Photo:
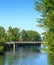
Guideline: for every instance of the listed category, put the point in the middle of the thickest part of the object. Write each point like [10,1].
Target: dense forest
[15,34]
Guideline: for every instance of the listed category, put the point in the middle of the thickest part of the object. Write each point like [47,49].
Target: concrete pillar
[41,45]
[14,47]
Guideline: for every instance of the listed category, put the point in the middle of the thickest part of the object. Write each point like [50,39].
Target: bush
[2,44]
[1,49]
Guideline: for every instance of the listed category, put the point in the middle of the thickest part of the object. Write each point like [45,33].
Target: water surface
[24,56]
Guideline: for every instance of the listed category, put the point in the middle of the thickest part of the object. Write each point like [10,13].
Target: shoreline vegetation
[14,34]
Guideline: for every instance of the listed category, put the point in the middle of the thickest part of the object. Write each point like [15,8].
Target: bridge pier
[41,45]
[14,47]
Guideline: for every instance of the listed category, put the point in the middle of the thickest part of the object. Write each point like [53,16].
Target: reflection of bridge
[25,43]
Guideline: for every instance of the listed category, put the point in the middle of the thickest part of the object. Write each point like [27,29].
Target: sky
[19,13]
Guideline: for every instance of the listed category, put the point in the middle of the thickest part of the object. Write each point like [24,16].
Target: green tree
[30,35]
[46,8]
[13,34]
[34,36]
[10,34]
[2,32]
[16,34]
[2,38]
[51,58]
[24,35]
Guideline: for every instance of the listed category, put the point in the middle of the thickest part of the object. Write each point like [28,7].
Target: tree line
[15,34]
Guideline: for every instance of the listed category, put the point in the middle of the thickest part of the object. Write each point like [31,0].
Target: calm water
[24,56]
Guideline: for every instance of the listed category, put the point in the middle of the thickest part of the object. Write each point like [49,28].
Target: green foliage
[12,34]
[46,8]
[24,35]
[30,35]
[1,49]
[2,41]
[2,32]
[51,58]
[2,38]
[16,34]
[47,20]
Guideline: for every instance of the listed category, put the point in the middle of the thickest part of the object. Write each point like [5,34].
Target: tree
[2,32]
[10,34]
[34,36]
[16,34]
[24,35]
[2,39]
[46,8]
[30,35]
[13,34]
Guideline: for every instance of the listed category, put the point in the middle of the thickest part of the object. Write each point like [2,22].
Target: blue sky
[19,13]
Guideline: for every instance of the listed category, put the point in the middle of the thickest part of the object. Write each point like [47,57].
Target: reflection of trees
[2,60]
[51,53]
[51,58]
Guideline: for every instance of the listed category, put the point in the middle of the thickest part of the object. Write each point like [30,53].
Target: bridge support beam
[14,47]
[41,45]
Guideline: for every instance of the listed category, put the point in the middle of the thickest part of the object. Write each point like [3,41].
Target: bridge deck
[25,42]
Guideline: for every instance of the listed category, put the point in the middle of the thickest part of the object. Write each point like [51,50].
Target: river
[24,56]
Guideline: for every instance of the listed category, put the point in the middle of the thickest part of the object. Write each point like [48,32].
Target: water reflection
[51,58]
[24,56]
[2,60]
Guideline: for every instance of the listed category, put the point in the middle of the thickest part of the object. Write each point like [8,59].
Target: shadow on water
[29,48]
